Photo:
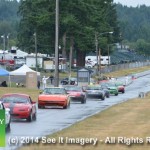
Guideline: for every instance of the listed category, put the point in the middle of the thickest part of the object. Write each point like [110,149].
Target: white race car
[7,116]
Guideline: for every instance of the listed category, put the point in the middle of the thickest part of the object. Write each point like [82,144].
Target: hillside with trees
[9,21]
[134,23]
[80,22]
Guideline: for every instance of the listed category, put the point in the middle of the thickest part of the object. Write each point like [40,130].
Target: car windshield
[119,83]
[73,88]
[93,88]
[110,84]
[54,91]
[14,99]
[103,84]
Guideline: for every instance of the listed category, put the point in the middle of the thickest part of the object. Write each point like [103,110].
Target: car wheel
[29,119]
[116,94]
[123,91]
[83,101]
[34,116]
[103,97]
[107,95]
[8,127]
[67,106]
[41,107]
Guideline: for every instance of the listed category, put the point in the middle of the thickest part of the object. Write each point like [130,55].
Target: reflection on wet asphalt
[52,120]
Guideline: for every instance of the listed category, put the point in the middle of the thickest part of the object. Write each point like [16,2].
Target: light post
[59,49]
[4,47]
[35,44]
[8,41]
[98,52]
[56,83]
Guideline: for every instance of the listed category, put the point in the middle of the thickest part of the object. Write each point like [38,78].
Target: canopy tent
[4,72]
[22,71]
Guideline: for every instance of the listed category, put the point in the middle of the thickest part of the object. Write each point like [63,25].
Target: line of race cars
[21,106]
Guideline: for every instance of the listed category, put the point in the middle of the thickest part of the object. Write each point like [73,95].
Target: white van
[105,60]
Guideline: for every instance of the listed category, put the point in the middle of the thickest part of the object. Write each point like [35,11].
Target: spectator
[44,82]
[51,78]
[4,84]
[38,84]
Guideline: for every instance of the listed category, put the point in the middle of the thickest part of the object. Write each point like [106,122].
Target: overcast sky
[133,3]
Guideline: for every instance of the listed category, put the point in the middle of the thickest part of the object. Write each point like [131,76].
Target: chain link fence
[118,67]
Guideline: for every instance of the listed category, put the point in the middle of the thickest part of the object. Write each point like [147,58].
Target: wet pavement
[52,120]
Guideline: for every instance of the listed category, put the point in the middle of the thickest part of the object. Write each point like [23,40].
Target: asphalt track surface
[52,120]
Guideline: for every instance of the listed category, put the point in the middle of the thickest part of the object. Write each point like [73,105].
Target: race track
[52,120]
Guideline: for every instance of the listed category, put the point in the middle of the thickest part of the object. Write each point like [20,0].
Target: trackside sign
[2,128]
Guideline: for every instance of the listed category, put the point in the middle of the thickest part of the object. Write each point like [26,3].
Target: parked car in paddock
[95,91]
[120,86]
[21,106]
[69,81]
[111,87]
[7,116]
[76,93]
[54,96]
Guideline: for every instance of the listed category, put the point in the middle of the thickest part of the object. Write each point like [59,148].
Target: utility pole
[35,36]
[8,41]
[99,66]
[56,83]
[70,56]
[96,45]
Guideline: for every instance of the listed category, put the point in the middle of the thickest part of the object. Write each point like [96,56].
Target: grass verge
[32,92]
[129,120]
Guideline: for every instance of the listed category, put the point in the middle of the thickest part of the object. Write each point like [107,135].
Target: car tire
[123,91]
[41,107]
[30,118]
[35,117]
[107,95]
[116,94]
[67,106]
[83,101]
[103,97]
[8,127]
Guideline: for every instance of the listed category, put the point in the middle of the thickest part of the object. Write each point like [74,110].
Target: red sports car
[76,93]
[21,106]
[54,96]
[120,86]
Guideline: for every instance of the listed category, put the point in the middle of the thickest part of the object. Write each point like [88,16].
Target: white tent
[22,71]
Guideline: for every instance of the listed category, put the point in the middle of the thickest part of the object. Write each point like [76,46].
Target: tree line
[134,23]
[79,22]
[9,22]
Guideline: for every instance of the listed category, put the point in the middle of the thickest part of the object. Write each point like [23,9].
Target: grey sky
[133,3]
